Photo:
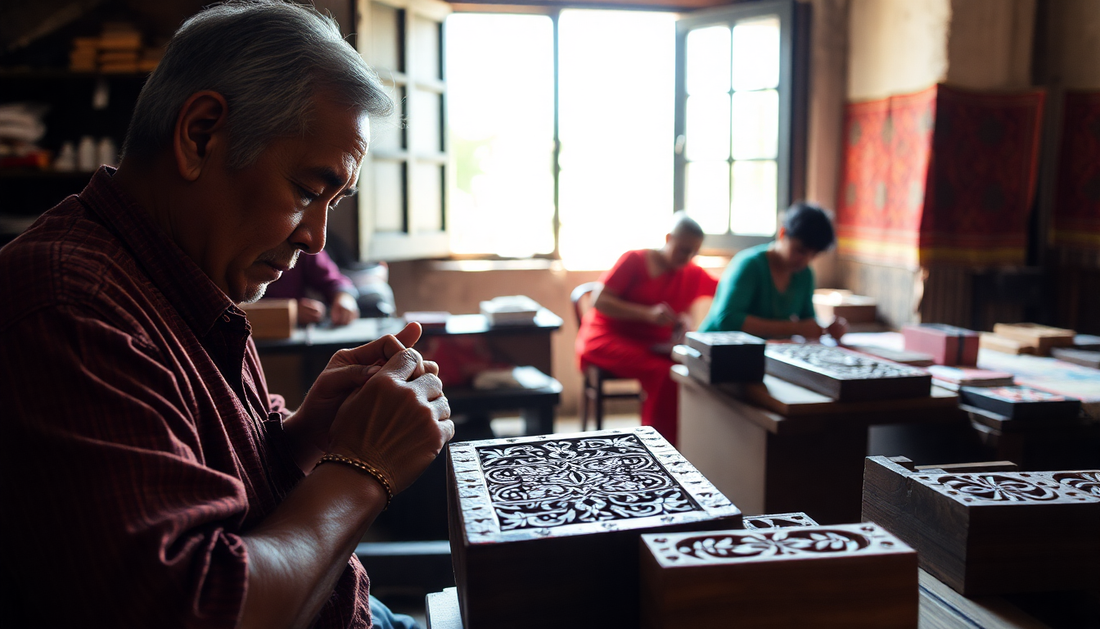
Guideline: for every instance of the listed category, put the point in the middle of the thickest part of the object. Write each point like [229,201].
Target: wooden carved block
[272,318]
[848,576]
[545,529]
[1020,402]
[992,532]
[717,357]
[1039,337]
[949,345]
[843,375]
[777,520]
[1003,344]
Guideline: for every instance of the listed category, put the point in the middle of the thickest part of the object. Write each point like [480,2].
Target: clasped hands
[381,403]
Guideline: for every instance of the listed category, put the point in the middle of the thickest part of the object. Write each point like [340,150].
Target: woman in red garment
[640,312]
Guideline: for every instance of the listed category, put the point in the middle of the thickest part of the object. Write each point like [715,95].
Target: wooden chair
[596,380]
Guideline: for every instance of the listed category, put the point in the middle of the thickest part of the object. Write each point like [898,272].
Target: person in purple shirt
[317,275]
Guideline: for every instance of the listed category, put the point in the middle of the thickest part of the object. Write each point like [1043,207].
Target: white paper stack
[510,310]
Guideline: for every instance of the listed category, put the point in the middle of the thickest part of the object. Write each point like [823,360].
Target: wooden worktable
[775,447]
[940,608]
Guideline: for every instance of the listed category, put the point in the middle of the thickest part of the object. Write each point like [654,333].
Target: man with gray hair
[149,479]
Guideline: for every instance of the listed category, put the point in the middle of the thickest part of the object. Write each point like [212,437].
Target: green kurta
[747,288]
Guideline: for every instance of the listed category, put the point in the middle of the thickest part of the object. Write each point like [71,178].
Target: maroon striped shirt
[138,438]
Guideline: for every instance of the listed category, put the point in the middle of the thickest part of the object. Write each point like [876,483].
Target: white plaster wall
[990,42]
[896,46]
[1074,32]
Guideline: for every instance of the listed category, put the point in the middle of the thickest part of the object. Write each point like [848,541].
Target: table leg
[538,420]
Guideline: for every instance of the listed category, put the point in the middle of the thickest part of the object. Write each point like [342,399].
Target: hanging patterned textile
[942,176]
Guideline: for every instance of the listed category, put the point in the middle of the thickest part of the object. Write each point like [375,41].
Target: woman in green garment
[768,290]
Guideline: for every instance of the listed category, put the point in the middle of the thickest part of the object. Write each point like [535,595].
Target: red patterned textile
[1076,222]
[940,176]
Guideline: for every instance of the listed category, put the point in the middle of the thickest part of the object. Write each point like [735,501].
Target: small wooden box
[1020,402]
[844,375]
[1003,344]
[949,345]
[993,532]
[718,357]
[850,576]
[545,529]
[1040,337]
[272,318]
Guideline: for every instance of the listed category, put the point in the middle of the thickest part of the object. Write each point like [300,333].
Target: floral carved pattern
[997,488]
[1088,482]
[837,362]
[780,542]
[574,481]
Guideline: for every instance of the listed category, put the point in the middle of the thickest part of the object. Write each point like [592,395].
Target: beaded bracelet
[363,467]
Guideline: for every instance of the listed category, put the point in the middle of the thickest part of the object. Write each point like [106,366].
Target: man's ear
[200,130]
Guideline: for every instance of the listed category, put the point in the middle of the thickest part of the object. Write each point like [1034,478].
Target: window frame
[790,154]
[407,243]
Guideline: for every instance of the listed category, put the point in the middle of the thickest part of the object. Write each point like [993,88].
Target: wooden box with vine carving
[855,576]
[544,530]
[991,530]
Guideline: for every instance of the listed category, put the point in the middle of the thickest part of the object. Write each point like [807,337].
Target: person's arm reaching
[345,308]
[616,307]
[398,422]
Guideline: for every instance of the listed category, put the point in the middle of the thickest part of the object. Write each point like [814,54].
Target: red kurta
[624,347]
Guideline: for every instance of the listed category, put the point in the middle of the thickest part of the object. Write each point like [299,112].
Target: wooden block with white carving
[544,530]
[995,531]
[850,576]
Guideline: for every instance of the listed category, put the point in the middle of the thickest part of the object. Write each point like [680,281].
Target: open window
[739,139]
[575,133]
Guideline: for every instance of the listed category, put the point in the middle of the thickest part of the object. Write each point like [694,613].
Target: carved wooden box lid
[839,363]
[982,531]
[845,375]
[779,544]
[716,344]
[573,484]
[998,489]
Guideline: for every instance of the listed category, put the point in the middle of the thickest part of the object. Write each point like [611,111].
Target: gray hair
[684,225]
[268,58]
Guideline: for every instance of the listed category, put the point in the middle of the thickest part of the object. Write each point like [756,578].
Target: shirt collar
[190,291]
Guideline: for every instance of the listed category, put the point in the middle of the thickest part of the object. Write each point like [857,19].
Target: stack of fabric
[21,128]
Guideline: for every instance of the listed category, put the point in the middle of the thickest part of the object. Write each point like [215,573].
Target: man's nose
[309,236]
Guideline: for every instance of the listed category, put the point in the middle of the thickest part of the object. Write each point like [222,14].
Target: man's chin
[252,294]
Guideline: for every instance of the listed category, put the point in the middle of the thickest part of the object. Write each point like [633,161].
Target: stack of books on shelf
[118,49]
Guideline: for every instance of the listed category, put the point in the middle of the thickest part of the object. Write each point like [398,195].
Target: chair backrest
[582,299]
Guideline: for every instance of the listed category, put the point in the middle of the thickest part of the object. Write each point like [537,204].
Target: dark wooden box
[1020,402]
[719,357]
[949,345]
[850,576]
[544,530]
[844,375]
[991,532]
